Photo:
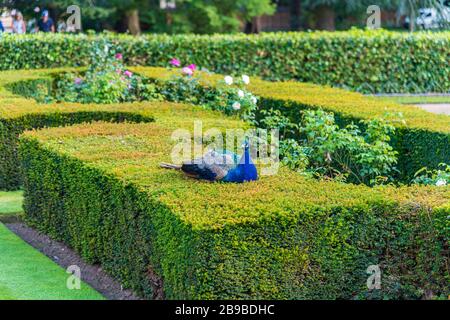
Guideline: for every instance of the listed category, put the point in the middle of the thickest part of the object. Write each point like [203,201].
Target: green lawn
[10,202]
[26,274]
[417,99]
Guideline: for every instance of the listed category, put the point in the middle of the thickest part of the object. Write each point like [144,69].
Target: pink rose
[175,62]
[78,81]
[128,73]
[119,56]
[192,67]
[187,71]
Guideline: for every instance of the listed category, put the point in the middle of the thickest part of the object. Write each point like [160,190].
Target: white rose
[245,79]
[241,94]
[236,106]
[254,100]
[228,80]
[441,183]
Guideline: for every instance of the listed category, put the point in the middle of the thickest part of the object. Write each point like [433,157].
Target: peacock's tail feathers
[170,166]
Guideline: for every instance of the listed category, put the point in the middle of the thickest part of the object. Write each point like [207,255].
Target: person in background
[18,24]
[2,29]
[46,23]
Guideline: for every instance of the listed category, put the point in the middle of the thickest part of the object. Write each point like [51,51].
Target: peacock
[224,166]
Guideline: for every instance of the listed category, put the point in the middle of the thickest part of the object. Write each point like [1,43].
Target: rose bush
[105,81]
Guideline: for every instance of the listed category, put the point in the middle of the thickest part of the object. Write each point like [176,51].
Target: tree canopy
[215,16]
[198,16]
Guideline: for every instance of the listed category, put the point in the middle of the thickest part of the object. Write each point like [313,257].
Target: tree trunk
[253,26]
[412,20]
[325,18]
[248,27]
[256,25]
[169,19]
[296,8]
[133,22]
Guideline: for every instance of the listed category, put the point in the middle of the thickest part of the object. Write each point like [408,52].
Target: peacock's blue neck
[244,171]
[246,157]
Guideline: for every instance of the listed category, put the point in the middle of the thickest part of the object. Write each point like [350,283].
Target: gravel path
[439,108]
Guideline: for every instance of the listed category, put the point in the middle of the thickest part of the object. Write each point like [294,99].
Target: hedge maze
[91,179]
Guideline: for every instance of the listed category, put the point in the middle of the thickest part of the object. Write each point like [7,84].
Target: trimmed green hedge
[18,114]
[10,177]
[99,188]
[365,61]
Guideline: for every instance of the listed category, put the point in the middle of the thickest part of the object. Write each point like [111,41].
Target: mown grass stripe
[26,274]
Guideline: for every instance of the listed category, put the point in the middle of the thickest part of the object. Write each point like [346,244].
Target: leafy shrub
[292,154]
[184,89]
[438,177]
[40,90]
[106,81]
[228,95]
[360,157]
[345,154]
[232,97]
[275,119]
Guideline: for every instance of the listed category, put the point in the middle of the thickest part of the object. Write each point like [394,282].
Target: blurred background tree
[210,16]
[325,14]
[411,9]
[197,16]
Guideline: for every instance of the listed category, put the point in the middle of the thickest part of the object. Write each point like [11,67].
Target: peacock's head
[246,144]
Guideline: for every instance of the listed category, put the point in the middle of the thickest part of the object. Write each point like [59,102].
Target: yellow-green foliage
[98,187]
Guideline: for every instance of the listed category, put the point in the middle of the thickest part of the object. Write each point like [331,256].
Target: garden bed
[421,139]
[98,187]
